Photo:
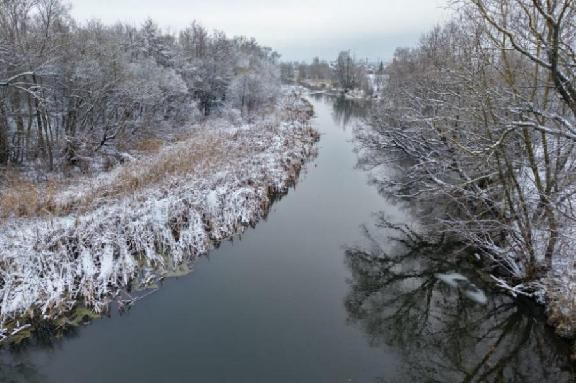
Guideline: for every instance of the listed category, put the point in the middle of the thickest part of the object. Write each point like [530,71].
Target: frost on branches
[483,115]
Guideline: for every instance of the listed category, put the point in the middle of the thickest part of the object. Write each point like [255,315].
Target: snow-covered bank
[52,265]
[349,94]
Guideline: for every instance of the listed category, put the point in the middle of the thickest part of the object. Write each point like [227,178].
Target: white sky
[297,29]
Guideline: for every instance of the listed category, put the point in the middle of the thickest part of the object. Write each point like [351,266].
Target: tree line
[71,92]
[346,72]
[483,114]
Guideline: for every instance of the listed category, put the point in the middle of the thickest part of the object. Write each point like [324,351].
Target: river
[315,293]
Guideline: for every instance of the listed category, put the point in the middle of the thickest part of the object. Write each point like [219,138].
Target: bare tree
[483,113]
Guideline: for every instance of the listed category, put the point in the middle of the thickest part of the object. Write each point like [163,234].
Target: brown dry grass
[149,145]
[182,159]
[22,198]
[199,151]
[196,153]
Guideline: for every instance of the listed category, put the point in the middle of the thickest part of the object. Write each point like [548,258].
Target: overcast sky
[297,29]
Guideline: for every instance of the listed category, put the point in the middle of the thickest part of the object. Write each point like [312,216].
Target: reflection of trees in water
[344,109]
[19,372]
[17,362]
[445,337]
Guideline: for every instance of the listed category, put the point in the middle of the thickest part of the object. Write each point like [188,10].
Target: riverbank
[329,89]
[144,220]
[292,290]
[505,263]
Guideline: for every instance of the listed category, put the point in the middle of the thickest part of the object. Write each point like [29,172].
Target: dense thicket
[484,113]
[70,93]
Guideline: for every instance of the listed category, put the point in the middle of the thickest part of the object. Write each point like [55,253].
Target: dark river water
[318,292]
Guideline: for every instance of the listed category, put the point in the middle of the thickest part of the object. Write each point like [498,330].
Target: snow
[459,281]
[50,265]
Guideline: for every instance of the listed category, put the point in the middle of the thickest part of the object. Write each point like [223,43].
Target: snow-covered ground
[351,94]
[223,180]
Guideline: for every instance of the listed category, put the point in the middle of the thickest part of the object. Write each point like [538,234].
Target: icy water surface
[311,296]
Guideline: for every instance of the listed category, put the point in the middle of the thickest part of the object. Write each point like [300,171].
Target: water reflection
[18,365]
[19,372]
[398,300]
[344,110]
[283,288]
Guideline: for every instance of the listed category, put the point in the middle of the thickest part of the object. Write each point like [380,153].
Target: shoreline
[61,270]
